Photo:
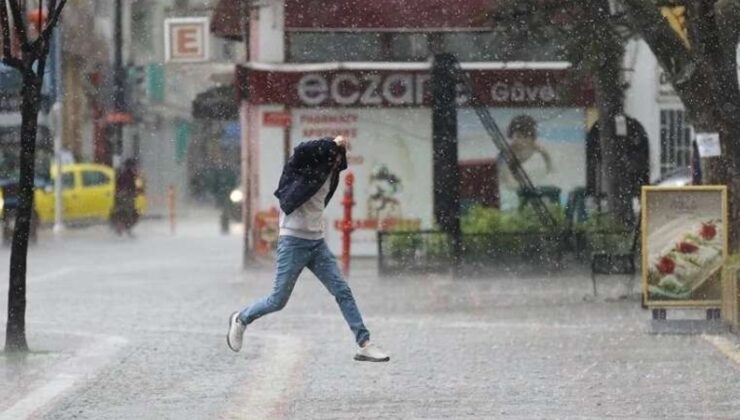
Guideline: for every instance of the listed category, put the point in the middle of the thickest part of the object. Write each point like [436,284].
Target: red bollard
[346,226]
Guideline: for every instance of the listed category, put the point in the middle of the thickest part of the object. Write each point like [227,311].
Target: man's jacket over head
[307,170]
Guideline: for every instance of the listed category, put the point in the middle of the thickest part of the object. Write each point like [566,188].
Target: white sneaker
[371,353]
[236,332]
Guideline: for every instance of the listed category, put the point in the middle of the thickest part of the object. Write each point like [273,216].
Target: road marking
[51,275]
[63,377]
[272,376]
[729,348]
[35,399]
[484,325]
[275,374]
[582,374]
[41,278]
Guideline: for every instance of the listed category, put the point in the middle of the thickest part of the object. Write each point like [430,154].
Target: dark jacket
[634,158]
[307,170]
[126,182]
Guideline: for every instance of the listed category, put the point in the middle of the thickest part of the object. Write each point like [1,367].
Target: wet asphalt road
[133,328]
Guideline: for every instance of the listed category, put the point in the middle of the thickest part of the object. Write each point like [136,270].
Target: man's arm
[545,156]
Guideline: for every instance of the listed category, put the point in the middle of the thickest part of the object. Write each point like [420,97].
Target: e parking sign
[186,39]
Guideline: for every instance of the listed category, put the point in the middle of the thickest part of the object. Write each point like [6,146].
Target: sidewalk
[146,340]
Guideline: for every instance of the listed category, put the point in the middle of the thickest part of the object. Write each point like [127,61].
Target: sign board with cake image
[684,244]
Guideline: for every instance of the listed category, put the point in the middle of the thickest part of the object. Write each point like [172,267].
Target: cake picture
[692,257]
[684,245]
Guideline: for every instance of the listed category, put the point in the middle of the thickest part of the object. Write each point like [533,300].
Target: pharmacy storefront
[384,108]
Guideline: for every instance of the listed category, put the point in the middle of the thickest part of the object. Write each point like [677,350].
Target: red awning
[226,22]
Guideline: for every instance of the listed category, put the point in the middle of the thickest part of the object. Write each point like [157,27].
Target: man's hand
[341,141]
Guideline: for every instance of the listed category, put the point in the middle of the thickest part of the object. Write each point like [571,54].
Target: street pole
[58,198]
[118,82]
[446,171]
[248,255]
[58,118]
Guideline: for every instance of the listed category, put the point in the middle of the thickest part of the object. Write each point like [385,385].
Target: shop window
[403,46]
[364,46]
[499,46]
[335,46]
[408,47]
[675,140]
[469,46]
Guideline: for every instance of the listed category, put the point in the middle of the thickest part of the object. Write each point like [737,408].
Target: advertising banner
[684,245]
[390,155]
[549,142]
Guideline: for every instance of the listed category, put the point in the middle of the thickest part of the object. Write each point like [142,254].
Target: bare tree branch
[8,58]
[37,45]
[14,63]
[662,40]
[51,22]
[5,23]
[19,23]
[40,18]
[41,44]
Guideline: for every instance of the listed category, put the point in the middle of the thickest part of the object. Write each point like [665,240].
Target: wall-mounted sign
[684,244]
[277,119]
[408,88]
[708,145]
[186,39]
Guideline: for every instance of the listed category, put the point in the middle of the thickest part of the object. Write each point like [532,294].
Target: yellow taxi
[88,191]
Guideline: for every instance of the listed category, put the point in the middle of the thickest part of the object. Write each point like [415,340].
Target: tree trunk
[705,78]
[15,339]
[610,102]
[727,21]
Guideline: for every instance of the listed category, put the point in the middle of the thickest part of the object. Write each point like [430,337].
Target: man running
[307,183]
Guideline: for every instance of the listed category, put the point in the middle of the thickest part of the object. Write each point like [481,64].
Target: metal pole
[58,118]
[58,197]
[248,254]
[446,175]
[118,82]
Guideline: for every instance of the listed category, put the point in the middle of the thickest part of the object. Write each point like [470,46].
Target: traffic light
[136,76]
[136,83]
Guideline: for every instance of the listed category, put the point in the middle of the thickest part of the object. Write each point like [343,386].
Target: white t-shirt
[307,222]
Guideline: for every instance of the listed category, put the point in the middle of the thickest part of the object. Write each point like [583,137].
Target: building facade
[361,70]
[164,133]
[652,100]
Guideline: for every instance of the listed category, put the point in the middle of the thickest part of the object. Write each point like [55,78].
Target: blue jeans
[293,254]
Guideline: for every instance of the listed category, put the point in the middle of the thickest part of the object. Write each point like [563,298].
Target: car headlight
[236,196]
